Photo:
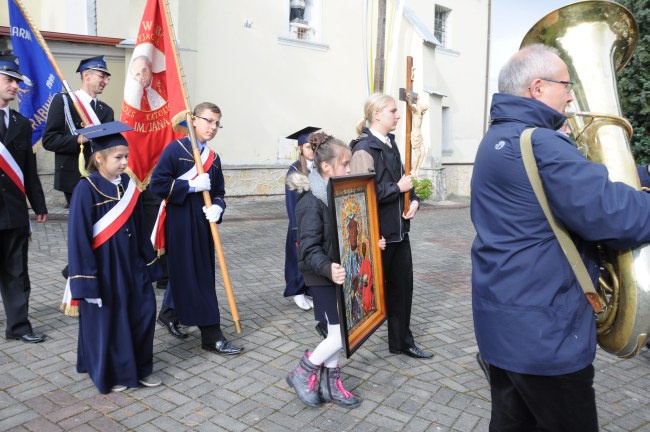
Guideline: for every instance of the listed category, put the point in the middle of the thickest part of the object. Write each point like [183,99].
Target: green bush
[634,83]
[423,188]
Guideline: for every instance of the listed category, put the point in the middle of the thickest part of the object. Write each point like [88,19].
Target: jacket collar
[506,108]
[13,129]
[376,142]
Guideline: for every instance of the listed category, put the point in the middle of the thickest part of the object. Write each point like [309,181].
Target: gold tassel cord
[82,162]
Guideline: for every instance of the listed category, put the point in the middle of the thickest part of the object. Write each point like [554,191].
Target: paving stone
[206,392]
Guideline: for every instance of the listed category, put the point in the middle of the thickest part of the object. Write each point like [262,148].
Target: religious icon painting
[353,203]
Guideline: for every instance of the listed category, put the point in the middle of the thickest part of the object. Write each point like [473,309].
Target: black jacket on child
[315,231]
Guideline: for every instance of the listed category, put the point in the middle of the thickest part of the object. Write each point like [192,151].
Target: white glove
[96,301]
[212,213]
[200,183]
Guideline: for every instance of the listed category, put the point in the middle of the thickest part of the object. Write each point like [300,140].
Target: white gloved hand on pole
[200,183]
[212,213]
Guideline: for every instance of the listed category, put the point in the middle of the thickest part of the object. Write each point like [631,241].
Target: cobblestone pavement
[41,391]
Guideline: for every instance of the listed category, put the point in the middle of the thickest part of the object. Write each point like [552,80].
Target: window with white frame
[305,20]
[441,25]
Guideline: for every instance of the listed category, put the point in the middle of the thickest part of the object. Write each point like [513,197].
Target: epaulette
[355,141]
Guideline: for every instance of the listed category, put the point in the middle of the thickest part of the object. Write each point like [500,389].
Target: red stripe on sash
[108,232]
[9,165]
[84,108]
[159,239]
[4,165]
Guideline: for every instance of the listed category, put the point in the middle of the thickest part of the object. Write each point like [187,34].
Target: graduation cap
[95,63]
[105,135]
[303,134]
[9,66]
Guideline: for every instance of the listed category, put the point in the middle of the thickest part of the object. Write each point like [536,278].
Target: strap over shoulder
[563,237]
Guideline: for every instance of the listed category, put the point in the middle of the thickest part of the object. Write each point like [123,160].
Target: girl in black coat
[321,273]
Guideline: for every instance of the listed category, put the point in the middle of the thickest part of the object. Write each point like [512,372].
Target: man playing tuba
[532,321]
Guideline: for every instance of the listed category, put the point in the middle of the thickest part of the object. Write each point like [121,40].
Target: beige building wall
[242,56]
[452,81]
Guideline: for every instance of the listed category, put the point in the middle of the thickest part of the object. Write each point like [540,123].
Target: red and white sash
[112,221]
[84,99]
[158,233]
[9,166]
[103,230]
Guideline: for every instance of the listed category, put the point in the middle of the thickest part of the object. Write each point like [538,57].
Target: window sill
[302,43]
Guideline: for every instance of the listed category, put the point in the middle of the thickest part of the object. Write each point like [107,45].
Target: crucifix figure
[417,140]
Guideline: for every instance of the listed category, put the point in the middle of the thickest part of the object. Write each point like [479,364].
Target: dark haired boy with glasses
[190,298]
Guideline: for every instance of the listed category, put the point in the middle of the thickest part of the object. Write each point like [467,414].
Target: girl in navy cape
[112,265]
[295,283]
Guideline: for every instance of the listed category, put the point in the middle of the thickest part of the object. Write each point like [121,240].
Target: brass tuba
[596,39]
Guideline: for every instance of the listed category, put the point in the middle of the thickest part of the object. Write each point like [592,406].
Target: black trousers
[14,280]
[209,334]
[398,290]
[522,403]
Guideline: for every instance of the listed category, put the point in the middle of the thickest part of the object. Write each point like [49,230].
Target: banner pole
[216,238]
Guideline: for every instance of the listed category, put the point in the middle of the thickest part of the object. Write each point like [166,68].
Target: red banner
[154,101]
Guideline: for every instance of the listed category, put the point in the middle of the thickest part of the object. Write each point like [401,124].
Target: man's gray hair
[533,61]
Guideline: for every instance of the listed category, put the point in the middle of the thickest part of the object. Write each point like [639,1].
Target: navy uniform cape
[115,345]
[189,246]
[292,276]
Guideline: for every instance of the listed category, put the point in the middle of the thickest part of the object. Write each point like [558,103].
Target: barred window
[441,24]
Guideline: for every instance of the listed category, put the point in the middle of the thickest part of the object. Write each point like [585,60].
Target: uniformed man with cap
[18,180]
[63,121]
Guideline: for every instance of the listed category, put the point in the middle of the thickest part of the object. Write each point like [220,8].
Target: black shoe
[414,352]
[321,330]
[485,366]
[223,347]
[30,337]
[173,329]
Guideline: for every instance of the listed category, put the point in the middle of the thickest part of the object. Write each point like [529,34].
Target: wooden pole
[408,120]
[216,238]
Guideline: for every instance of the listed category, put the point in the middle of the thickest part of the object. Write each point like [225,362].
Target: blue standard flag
[34,101]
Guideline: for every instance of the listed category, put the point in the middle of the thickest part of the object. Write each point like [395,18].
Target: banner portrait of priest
[145,88]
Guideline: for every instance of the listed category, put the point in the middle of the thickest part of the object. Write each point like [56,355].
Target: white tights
[327,352]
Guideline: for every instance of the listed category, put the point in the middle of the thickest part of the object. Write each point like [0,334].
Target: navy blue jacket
[13,206]
[295,282]
[58,138]
[189,247]
[530,314]
[115,344]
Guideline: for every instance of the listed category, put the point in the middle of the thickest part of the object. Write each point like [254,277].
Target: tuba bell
[596,39]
